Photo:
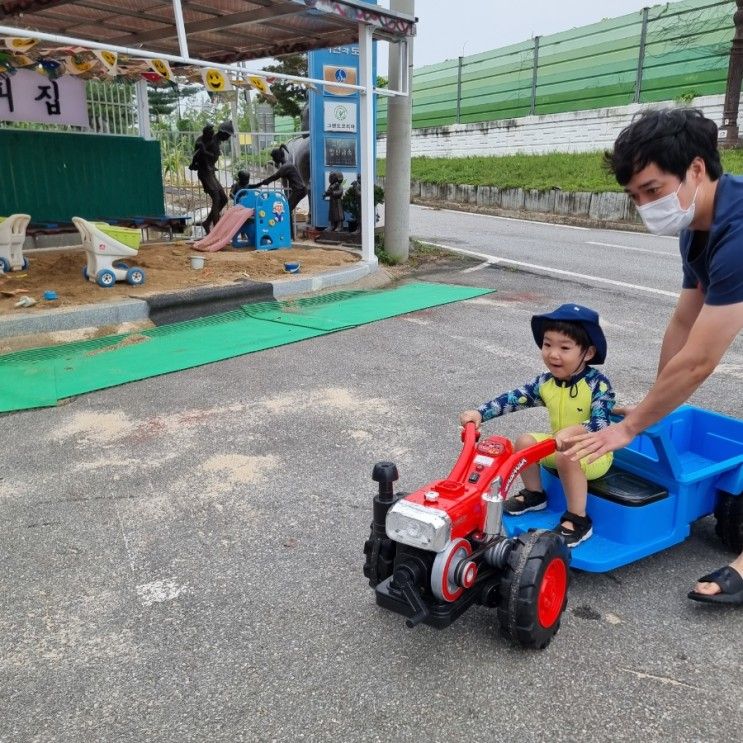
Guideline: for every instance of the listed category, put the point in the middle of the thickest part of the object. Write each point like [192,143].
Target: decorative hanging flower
[50,67]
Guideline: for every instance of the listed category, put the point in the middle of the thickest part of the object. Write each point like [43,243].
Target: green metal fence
[670,51]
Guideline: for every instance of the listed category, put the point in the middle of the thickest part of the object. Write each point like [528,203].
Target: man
[669,164]
[206,153]
[291,180]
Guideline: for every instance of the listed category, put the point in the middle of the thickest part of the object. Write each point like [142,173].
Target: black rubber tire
[530,557]
[729,526]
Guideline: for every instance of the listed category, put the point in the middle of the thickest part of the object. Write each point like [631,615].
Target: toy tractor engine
[433,553]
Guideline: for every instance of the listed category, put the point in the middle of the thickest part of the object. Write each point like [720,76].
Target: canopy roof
[221,31]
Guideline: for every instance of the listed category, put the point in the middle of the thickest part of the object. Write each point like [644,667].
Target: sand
[167,267]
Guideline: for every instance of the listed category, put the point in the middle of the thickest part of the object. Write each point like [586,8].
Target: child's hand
[470,416]
[564,437]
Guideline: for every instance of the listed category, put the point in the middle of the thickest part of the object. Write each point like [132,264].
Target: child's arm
[518,399]
[602,403]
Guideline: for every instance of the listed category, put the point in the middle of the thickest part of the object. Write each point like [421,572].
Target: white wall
[578,131]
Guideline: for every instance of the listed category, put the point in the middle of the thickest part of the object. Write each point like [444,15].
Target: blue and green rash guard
[585,399]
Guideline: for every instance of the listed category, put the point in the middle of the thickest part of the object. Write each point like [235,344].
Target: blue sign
[335,139]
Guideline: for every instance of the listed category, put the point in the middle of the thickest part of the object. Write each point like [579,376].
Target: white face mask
[666,216]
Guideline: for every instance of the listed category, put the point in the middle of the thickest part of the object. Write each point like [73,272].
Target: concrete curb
[176,306]
[71,318]
[307,284]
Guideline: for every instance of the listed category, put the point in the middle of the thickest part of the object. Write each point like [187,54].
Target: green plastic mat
[347,309]
[43,376]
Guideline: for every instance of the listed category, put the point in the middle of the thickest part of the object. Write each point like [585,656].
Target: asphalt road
[180,558]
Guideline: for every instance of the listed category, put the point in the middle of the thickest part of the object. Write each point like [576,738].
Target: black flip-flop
[731,587]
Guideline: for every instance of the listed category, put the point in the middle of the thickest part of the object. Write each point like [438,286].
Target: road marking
[495,216]
[476,268]
[557,271]
[638,250]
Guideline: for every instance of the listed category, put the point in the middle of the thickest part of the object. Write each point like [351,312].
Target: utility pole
[729,131]
[399,125]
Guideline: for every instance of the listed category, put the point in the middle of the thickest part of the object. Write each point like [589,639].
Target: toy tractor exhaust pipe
[379,549]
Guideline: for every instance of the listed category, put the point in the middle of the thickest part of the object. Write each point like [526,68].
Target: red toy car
[435,552]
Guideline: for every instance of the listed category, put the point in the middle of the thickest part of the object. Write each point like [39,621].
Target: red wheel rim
[552,593]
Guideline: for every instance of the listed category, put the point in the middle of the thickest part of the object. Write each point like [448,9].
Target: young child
[578,398]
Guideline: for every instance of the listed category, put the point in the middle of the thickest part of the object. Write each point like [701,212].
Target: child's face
[563,356]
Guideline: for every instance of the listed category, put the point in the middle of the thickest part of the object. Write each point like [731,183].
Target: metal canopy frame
[221,33]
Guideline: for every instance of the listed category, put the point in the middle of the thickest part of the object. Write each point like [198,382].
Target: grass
[567,171]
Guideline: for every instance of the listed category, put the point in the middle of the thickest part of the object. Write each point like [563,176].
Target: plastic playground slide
[223,232]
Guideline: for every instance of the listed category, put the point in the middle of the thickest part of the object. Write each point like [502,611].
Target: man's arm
[687,310]
[710,336]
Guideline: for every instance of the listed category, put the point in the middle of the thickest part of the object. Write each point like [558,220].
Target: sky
[447,30]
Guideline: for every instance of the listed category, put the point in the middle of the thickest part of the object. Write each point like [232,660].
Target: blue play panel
[665,479]
[269,228]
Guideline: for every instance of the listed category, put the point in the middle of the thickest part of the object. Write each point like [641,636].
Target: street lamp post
[729,130]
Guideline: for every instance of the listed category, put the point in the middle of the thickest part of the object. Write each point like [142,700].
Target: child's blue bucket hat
[587,317]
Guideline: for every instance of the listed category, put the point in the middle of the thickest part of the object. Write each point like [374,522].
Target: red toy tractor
[435,552]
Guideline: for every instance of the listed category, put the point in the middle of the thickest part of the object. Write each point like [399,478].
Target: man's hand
[470,416]
[593,445]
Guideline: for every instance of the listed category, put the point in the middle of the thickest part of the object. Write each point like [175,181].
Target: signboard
[339,117]
[29,96]
[335,143]
[340,152]
[333,73]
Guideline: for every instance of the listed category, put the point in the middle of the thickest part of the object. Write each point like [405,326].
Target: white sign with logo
[340,117]
[29,96]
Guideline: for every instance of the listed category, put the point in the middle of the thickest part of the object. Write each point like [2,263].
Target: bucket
[292,267]
[197,261]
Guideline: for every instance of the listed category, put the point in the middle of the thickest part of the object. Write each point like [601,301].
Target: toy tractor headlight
[418,526]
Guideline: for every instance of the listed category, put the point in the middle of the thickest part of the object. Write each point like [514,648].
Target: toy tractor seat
[624,488]
[105,244]
[12,237]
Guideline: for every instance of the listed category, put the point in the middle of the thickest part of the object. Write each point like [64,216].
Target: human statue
[242,182]
[353,198]
[334,192]
[294,187]
[207,150]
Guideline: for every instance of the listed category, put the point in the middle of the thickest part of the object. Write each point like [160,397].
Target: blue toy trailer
[269,228]
[686,466]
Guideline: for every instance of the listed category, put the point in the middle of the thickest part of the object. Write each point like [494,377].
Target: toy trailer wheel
[534,589]
[105,278]
[729,526]
[135,276]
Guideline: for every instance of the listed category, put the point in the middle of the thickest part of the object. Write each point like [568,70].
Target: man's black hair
[573,330]
[671,138]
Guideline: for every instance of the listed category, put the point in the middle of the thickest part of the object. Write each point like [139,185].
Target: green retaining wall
[54,176]
[685,54]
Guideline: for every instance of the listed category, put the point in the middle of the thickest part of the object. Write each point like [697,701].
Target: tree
[290,96]
[164,100]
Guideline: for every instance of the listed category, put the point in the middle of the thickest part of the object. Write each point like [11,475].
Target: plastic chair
[12,237]
[103,248]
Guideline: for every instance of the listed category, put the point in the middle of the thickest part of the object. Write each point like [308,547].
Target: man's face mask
[666,216]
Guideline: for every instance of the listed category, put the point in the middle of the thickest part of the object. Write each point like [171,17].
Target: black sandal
[533,500]
[582,529]
[731,587]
